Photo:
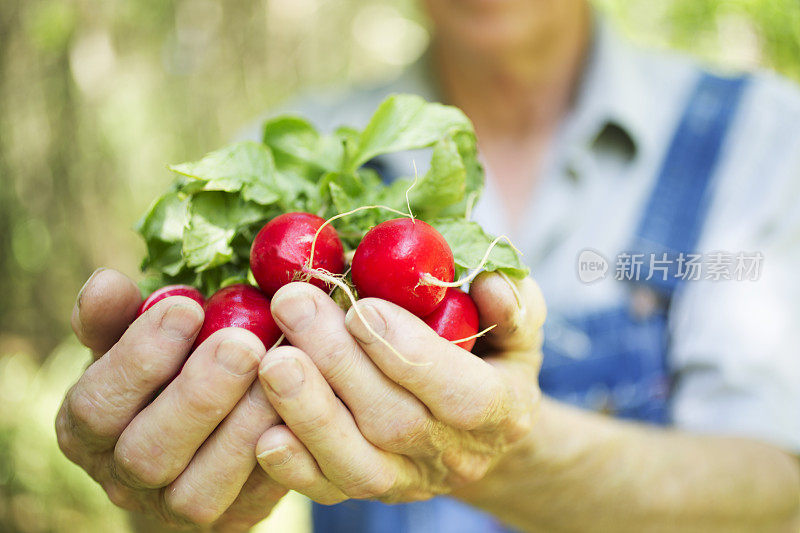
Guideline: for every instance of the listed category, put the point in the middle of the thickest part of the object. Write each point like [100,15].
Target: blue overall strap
[674,217]
[620,363]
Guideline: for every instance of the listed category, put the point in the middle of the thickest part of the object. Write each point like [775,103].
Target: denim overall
[614,360]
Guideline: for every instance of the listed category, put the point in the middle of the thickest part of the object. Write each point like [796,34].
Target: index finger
[115,388]
[459,388]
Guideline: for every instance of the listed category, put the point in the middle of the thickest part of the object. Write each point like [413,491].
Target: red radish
[240,306]
[392,259]
[283,246]
[166,292]
[455,318]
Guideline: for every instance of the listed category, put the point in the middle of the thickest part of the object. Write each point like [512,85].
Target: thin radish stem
[428,279]
[277,342]
[328,278]
[514,289]
[310,262]
[470,205]
[479,334]
[408,200]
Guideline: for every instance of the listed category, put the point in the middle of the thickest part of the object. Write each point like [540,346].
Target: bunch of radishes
[405,261]
[237,224]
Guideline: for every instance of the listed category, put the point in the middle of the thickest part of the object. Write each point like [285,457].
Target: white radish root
[328,278]
[514,289]
[428,279]
[277,342]
[310,262]
[477,335]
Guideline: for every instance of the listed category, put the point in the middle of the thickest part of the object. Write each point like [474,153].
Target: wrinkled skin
[398,433]
[362,423]
[187,456]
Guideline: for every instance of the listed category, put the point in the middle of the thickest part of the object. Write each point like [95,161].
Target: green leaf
[294,141]
[166,218]
[350,183]
[162,228]
[214,220]
[469,243]
[406,122]
[211,280]
[201,231]
[150,284]
[443,185]
[474,179]
[341,201]
[245,167]
[349,139]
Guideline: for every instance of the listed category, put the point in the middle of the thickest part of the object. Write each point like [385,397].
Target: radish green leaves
[199,232]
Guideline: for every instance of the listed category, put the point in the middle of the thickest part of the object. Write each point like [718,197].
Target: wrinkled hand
[187,454]
[361,423]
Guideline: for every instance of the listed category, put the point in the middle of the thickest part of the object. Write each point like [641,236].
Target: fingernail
[284,376]
[86,285]
[236,357]
[181,321]
[372,318]
[275,457]
[293,305]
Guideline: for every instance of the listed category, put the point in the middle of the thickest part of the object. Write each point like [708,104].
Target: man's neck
[518,91]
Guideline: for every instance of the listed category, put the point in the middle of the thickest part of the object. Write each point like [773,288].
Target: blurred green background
[97,97]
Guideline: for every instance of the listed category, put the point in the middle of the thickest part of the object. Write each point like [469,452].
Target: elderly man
[594,150]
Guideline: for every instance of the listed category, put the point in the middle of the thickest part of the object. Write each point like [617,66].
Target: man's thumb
[516,306]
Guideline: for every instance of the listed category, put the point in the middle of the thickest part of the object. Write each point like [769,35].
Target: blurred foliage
[738,34]
[39,489]
[97,97]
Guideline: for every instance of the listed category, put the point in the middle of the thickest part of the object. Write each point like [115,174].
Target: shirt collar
[613,92]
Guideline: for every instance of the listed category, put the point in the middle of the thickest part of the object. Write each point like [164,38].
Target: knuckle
[64,435]
[121,496]
[405,433]
[184,509]
[336,358]
[316,425]
[375,486]
[518,427]
[136,470]
[487,409]
[143,370]
[204,404]
[200,398]
[518,422]
[471,469]
[84,414]
[473,415]
[329,498]
[240,433]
